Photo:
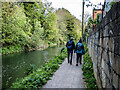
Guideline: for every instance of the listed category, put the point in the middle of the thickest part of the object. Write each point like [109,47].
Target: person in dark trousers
[70,47]
[79,49]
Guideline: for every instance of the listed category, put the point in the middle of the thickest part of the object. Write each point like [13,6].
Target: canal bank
[41,75]
[18,63]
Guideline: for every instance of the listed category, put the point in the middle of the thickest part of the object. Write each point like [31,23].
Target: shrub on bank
[11,49]
[88,70]
[41,75]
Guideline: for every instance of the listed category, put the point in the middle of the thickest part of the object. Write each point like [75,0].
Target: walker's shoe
[70,63]
[76,64]
[80,63]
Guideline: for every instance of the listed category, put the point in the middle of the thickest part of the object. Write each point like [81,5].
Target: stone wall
[0,47]
[104,49]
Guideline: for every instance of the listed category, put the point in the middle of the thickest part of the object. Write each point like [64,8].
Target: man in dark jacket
[79,49]
[70,47]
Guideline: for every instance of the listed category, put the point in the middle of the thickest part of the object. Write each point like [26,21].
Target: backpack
[69,45]
[79,46]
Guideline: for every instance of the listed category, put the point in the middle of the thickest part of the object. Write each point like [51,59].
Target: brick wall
[104,49]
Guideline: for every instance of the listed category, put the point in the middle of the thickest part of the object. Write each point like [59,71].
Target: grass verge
[88,70]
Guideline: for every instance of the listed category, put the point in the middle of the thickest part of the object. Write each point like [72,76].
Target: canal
[15,65]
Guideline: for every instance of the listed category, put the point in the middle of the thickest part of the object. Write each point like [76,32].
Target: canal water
[15,65]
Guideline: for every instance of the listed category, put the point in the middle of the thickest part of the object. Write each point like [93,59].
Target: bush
[11,49]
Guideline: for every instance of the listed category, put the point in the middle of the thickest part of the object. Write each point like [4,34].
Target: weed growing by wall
[88,70]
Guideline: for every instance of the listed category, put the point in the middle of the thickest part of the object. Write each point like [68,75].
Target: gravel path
[67,76]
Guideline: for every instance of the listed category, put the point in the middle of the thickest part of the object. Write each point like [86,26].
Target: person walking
[79,49]
[70,47]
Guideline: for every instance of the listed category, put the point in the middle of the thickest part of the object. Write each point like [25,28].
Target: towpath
[67,76]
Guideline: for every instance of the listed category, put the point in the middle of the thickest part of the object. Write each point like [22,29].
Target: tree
[14,25]
[68,25]
[87,15]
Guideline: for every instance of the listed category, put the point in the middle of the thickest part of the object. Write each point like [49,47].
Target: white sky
[74,6]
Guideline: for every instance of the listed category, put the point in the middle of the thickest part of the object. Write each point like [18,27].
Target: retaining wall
[104,49]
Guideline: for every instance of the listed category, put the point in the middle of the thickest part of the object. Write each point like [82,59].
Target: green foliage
[88,70]
[90,22]
[96,21]
[41,75]
[14,26]
[68,25]
[51,30]
[24,25]
[30,25]
[112,4]
[30,69]
[11,49]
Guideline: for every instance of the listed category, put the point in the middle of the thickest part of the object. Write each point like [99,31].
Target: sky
[74,6]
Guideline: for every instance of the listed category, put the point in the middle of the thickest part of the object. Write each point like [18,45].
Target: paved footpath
[67,76]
